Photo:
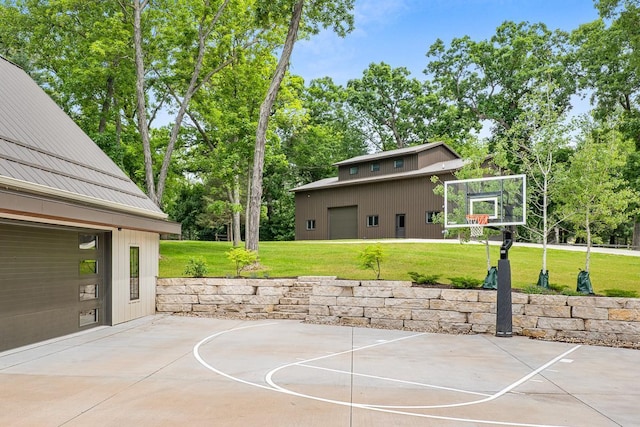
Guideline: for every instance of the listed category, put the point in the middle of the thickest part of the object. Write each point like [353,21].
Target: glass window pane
[88,317]
[87,241]
[88,292]
[134,273]
[88,267]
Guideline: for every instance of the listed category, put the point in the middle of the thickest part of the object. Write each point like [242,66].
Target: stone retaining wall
[399,305]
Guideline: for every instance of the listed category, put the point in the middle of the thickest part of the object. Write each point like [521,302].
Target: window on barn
[134,273]
[398,163]
[430,217]
[353,170]
[375,167]
[372,221]
[311,224]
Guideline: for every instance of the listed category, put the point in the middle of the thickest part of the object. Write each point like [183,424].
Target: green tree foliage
[312,16]
[225,113]
[393,110]
[593,194]
[325,135]
[608,54]
[186,209]
[78,51]
[196,268]
[242,258]
[487,79]
[183,44]
[173,90]
[371,258]
[538,139]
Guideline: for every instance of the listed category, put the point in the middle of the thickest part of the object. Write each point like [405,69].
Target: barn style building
[383,195]
[79,241]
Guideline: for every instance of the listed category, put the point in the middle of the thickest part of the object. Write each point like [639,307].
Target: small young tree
[242,258]
[371,258]
[594,195]
[536,140]
[475,157]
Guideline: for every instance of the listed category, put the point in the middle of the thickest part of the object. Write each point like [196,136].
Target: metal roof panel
[40,144]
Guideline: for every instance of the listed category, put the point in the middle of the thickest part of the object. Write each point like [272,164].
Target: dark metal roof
[394,153]
[43,151]
[434,169]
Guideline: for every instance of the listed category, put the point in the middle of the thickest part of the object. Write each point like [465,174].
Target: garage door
[343,223]
[52,283]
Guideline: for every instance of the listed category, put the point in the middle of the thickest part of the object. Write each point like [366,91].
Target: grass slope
[291,259]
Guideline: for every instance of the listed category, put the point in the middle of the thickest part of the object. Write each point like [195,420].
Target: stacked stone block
[399,305]
[243,298]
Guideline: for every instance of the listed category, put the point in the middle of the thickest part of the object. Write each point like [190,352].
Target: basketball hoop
[476,223]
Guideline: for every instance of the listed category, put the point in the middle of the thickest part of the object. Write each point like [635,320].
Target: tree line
[194,101]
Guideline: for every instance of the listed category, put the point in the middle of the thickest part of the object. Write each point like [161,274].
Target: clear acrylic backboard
[503,199]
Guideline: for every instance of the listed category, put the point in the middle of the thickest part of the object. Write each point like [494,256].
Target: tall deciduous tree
[394,110]
[79,52]
[328,13]
[608,52]
[326,134]
[487,79]
[225,112]
[182,45]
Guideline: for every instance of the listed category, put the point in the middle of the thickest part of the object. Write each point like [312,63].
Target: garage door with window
[53,282]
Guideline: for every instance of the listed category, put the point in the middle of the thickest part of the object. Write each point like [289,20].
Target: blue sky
[399,32]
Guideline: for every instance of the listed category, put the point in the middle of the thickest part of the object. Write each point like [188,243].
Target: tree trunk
[487,249]
[141,107]
[156,192]
[106,105]
[635,243]
[588,232]
[545,225]
[236,211]
[255,195]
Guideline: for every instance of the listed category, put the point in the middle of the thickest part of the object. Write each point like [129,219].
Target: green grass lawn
[303,258]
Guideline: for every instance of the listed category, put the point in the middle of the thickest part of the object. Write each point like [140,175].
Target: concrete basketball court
[171,370]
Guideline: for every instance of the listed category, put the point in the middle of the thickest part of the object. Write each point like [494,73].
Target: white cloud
[378,12]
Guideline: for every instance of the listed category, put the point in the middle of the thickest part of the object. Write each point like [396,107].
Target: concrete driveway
[170,370]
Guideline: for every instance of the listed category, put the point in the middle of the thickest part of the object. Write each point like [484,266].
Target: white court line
[396,380]
[196,353]
[489,398]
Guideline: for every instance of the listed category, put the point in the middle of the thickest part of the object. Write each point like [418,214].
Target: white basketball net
[476,224]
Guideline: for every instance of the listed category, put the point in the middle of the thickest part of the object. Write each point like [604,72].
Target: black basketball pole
[504,311]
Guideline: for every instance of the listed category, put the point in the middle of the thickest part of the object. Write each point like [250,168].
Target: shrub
[621,293]
[558,288]
[465,282]
[535,289]
[196,268]
[371,258]
[242,258]
[421,279]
